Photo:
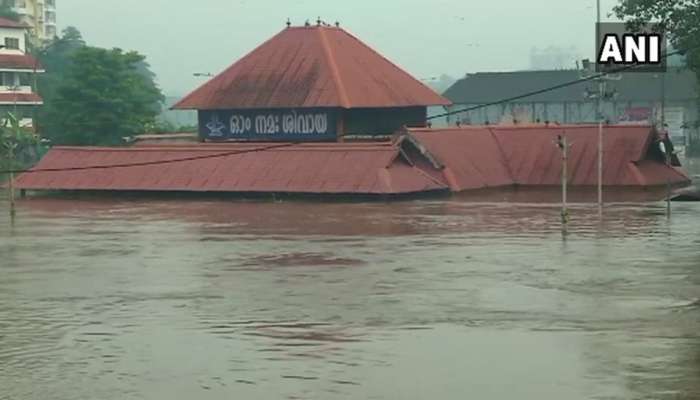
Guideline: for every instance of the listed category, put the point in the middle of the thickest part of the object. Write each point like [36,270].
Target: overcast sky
[427,38]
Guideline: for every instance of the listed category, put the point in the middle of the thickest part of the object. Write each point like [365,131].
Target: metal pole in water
[601,93]
[563,145]
[11,184]
[668,199]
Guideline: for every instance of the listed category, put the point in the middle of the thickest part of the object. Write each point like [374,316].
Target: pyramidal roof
[312,66]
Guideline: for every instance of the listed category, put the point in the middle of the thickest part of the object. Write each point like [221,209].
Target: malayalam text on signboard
[267,124]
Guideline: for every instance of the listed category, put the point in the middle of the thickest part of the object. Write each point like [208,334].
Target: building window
[51,3]
[50,16]
[8,79]
[50,32]
[12,43]
[25,79]
[20,3]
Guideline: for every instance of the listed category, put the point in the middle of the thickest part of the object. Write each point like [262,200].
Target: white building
[40,16]
[17,73]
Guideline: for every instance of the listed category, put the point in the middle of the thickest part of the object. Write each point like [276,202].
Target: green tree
[100,97]
[55,58]
[681,19]
[18,145]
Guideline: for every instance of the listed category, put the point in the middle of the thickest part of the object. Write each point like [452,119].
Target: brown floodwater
[450,298]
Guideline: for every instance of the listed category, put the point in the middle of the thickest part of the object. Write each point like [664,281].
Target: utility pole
[663,100]
[563,145]
[11,184]
[601,93]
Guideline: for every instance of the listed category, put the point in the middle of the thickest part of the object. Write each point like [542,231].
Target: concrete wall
[15,34]
[40,15]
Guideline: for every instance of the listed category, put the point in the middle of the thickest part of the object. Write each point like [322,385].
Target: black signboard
[273,124]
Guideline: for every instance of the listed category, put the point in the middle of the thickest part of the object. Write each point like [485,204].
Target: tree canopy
[680,18]
[95,96]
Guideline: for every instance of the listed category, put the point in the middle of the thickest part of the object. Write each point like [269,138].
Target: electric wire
[291,144]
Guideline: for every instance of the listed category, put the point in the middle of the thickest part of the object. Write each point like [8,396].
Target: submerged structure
[315,111]
[418,160]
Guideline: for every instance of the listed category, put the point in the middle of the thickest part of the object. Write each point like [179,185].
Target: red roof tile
[19,61]
[527,155]
[309,168]
[312,67]
[20,98]
[8,23]
[422,160]
[470,158]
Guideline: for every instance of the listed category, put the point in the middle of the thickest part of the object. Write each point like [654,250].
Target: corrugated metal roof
[471,158]
[527,155]
[308,168]
[455,159]
[315,66]
[19,61]
[486,87]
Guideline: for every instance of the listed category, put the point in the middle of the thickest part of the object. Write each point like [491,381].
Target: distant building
[177,118]
[439,83]
[553,57]
[638,99]
[311,83]
[17,73]
[40,16]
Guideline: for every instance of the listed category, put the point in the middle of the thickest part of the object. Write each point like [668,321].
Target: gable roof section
[486,87]
[488,156]
[312,168]
[317,66]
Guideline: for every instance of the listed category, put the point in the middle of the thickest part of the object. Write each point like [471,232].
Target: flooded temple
[314,110]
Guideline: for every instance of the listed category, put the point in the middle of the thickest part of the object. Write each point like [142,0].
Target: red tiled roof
[420,161]
[476,157]
[312,67]
[19,61]
[8,23]
[469,158]
[308,168]
[19,98]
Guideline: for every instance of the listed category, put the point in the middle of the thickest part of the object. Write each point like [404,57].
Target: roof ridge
[329,68]
[399,68]
[222,73]
[337,79]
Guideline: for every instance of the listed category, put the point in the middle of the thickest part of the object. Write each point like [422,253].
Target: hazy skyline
[426,39]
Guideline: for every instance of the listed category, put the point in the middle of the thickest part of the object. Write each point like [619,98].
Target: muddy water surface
[442,299]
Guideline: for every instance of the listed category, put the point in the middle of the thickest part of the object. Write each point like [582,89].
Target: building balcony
[15,89]
[14,60]
[19,98]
